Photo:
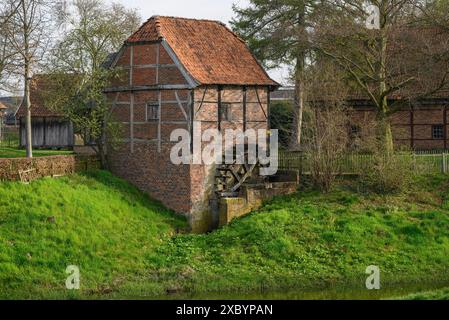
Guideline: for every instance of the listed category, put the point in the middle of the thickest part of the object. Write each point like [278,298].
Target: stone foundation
[252,198]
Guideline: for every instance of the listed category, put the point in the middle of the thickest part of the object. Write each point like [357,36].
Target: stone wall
[16,169]
[252,198]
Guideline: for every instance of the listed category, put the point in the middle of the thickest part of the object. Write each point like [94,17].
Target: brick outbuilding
[179,72]
[423,125]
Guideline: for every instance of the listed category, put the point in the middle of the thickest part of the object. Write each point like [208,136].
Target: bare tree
[326,134]
[434,13]
[79,72]
[29,34]
[393,62]
[7,10]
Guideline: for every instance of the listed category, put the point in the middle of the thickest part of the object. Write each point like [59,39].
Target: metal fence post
[443,155]
[414,161]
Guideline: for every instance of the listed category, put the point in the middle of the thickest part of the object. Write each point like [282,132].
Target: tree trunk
[299,103]
[27,80]
[384,134]
[102,146]
[299,78]
[102,155]
[27,106]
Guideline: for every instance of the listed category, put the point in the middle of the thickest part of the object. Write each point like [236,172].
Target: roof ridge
[157,24]
[205,20]
[208,67]
[143,25]
[192,19]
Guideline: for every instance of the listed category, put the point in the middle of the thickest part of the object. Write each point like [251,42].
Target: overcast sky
[200,9]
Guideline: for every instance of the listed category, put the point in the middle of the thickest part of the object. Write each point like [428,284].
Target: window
[226,112]
[355,131]
[152,111]
[354,136]
[437,132]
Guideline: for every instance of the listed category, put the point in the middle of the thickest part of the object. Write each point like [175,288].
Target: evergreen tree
[277,33]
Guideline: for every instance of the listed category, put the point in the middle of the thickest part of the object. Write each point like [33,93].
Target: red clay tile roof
[38,85]
[210,52]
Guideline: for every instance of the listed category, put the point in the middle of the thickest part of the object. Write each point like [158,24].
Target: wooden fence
[9,137]
[423,162]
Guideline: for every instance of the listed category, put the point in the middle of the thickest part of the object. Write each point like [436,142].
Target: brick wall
[151,171]
[206,110]
[143,157]
[411,129]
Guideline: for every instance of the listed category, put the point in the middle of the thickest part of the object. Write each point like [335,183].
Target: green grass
[127,245]
[101,224]
[429,295]
[6,152]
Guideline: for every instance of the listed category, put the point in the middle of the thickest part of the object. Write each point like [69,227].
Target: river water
[330,293]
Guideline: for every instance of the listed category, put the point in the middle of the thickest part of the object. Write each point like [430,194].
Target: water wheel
[230,177]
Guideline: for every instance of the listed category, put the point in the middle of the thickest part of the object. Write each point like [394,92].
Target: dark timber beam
[445,126]
[44,123]
[144,88]
[412,128]
[143,42]
[192,118]
[20,132]
[244,108]
[220,89]
[268,108]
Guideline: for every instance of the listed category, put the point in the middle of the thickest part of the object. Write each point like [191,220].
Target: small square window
[437,132]
[226,112]
[355,130]
[152,112]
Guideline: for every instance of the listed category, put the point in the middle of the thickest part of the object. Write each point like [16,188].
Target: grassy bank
[429,295]
[97,222]
[7,152]
[127,245]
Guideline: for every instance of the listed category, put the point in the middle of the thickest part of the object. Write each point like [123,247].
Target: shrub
[388,173]
[325,144]
[325,134]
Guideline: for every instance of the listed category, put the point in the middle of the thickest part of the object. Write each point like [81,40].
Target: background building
[49,129]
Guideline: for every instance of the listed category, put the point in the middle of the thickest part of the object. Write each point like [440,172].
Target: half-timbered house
[179,72]
[421,125]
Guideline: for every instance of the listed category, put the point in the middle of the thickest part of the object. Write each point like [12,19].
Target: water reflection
[330,293]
